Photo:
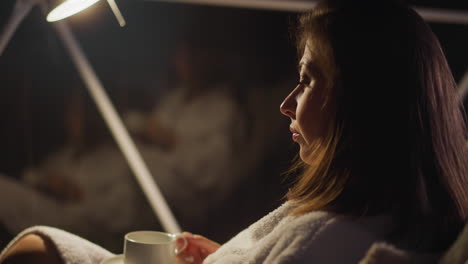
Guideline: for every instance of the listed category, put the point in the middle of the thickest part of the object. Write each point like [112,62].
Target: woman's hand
[198,248]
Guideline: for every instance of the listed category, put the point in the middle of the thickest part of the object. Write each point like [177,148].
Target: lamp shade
[69,8]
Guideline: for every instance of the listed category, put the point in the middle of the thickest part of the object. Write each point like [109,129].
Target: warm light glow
[68,8]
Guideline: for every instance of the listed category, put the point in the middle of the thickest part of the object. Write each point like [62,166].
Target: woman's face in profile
[305,104]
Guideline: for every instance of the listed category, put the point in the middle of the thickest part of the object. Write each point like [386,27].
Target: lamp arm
[117,13]
[436,15]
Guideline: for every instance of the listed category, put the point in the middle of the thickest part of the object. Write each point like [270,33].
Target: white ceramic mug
[147,247]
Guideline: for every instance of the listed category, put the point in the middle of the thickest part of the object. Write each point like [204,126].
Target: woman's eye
[304,82]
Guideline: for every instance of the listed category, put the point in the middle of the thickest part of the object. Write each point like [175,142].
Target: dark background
[35,71]
[36,74]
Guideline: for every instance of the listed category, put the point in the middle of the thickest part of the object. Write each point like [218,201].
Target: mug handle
[178,250]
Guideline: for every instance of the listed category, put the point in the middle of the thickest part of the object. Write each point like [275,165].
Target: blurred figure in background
[84,185]
[191,142]
[189,139]
[194,139]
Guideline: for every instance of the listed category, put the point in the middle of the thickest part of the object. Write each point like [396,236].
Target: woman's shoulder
[279,222]
[327,223]
[320,235]
[323,237]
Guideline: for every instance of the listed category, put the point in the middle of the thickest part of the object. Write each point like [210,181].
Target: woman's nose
[288,107]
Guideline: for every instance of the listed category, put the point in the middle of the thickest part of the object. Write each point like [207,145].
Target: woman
[382,144]
[381,134]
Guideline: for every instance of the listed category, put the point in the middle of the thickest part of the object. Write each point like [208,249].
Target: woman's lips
[295,135]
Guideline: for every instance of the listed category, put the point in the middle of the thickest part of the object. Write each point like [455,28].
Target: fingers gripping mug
[148,247]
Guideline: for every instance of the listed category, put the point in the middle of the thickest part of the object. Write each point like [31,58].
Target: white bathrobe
[316,237]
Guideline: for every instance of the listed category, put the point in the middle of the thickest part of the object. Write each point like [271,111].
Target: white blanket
[72,249]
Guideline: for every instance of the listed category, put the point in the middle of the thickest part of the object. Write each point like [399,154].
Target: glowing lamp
[71,7]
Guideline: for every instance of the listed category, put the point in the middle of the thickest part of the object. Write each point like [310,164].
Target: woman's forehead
[309,62]
[306,58]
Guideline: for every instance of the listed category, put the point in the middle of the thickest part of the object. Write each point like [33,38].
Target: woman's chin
[304,155]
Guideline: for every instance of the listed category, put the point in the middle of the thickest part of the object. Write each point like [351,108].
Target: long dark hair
[398,137]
